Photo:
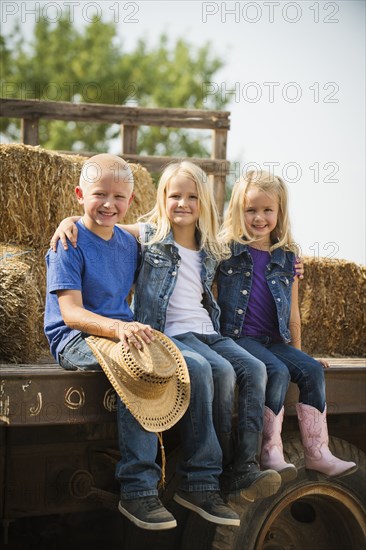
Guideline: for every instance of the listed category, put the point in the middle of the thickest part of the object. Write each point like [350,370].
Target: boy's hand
[128,333]
[299,268]
[66,230]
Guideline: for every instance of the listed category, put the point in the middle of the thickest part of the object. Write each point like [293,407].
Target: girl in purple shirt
[258,297]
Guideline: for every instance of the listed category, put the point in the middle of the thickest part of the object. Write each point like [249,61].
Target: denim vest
[156,281]
[235,277]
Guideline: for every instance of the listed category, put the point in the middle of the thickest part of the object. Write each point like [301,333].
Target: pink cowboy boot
[272,450]
[314,436]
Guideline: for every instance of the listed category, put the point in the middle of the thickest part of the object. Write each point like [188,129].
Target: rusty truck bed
[41,394]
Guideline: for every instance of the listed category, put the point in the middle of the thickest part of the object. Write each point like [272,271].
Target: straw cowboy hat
[153,382]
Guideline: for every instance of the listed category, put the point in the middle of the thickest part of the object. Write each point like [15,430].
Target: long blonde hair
[233,228]
[208,221]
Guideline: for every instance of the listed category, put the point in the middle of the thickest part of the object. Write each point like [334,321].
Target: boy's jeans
[77,355]
[137,470]
[284,363]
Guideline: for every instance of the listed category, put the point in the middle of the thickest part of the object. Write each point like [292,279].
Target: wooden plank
[96,112]
[219,183]
[346,362]
[30,131]
[345,381]
[156,164]
[218,151]
[129,139]
[36,397]
[349,364]
[22,385]
[219,144]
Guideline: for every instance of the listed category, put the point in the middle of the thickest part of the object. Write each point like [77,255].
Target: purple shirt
[261,315]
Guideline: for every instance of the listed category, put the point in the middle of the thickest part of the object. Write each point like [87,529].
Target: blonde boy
[87,289]
[88,285]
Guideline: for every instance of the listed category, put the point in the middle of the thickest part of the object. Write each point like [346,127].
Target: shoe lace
[215,498]
[152,503]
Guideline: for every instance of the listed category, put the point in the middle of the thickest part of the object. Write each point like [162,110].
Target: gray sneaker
[147,513]
[209,505]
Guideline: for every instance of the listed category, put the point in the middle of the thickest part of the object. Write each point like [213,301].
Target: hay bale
[37,192]
[18,302]
[36,188]
[11,254]
[332,306]
[145,194]
[35,259]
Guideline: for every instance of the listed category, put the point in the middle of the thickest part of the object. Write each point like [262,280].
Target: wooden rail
[130,118]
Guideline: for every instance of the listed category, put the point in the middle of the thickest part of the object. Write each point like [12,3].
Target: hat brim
[158,411]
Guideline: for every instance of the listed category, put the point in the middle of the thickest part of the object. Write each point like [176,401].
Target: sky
[295,76]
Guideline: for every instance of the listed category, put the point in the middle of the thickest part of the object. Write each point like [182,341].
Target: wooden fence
[130,118]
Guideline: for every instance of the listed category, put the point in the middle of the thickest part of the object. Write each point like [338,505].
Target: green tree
[64,63]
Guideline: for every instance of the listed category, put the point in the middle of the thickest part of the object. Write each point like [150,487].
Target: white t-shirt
[185,311]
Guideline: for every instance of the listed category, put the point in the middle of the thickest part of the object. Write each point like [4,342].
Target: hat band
[145,386]
[162,369]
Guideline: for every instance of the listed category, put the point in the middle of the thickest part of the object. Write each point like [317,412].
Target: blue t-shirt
[102,270]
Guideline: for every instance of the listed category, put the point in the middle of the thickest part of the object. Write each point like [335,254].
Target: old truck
[58,437]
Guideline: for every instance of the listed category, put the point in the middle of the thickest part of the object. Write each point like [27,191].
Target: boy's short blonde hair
[103,163]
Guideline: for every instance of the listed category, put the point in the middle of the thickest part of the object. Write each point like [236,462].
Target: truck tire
[312,511]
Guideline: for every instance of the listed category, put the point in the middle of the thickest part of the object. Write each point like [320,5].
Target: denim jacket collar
[278,256]
[169,240]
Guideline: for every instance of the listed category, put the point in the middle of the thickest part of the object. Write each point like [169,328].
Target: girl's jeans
[284,363]
[137,470]
[231,365]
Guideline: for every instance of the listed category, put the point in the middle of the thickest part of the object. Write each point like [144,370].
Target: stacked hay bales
[332,305]
[36,193]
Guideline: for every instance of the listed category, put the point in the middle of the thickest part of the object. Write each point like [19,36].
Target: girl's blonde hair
[208,221]
[233,228]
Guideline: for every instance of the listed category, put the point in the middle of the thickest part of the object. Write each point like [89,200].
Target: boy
[87,289]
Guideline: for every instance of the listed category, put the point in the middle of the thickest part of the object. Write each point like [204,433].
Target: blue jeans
[202,456]
[137,470]
[284,363]
[77,355]
[231,364]
[201,465]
